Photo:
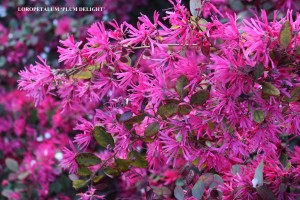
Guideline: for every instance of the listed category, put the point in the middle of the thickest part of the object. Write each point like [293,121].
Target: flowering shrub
[186,109]
[32,138]
[30,145]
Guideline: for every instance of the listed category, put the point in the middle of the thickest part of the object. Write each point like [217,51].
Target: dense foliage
[198,103]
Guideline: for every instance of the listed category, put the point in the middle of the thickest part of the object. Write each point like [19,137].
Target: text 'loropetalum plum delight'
[180,107]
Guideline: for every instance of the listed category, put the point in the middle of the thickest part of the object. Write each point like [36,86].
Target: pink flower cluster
[30,145]
[183,108]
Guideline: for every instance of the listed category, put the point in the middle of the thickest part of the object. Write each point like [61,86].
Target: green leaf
[297,50]
[87,159]
[55,187]
[84,74]
[12,164]
[167,110]
[258,71]
[162,191]
[136,119]
[122,164]
[102,137]
[179,182]
[269,89]
[184,109]
[198,189]
[265,193]
[2,61]
[77,184]
[83,171]
[258,116]
[97,179]
[147,139]
[152,129]
[295,95]
[258,179]
[111,172]
[33,118]
[286,33]
[178,193]
[200,97]
[202,23]
[139,160]
[181,83]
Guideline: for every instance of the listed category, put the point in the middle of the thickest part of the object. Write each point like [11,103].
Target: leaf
[178,193]
[200,97]
[265,193]
[162,191]
[181,83]
[87,159]
[202,22]
[184,109]
[136,119]
[258,71]
[97,179]
[102,137]
[126,59]
[297,50]
[2,61]
[77,184]
[12,164]
[205,49]
[195,7]
[125,116]
[295,94]
[207,179]
[269,89]
[198,189]
[179,182]
[7,193]
[84,74]
[147,139]
[83,171]
[23,175]
[236,5]
[285,35]
[217,181]
[235,169]
[152,129]
[111,172]
[138,160]
[258,179]
[258,116]
[33,118]
[122,164]
[167,110]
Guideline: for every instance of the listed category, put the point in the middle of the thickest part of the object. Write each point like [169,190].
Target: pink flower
[70,53]
[37,81]
[83,139]
[90,195]
[19,126]
[68,161]
[63,25]
[3,35]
